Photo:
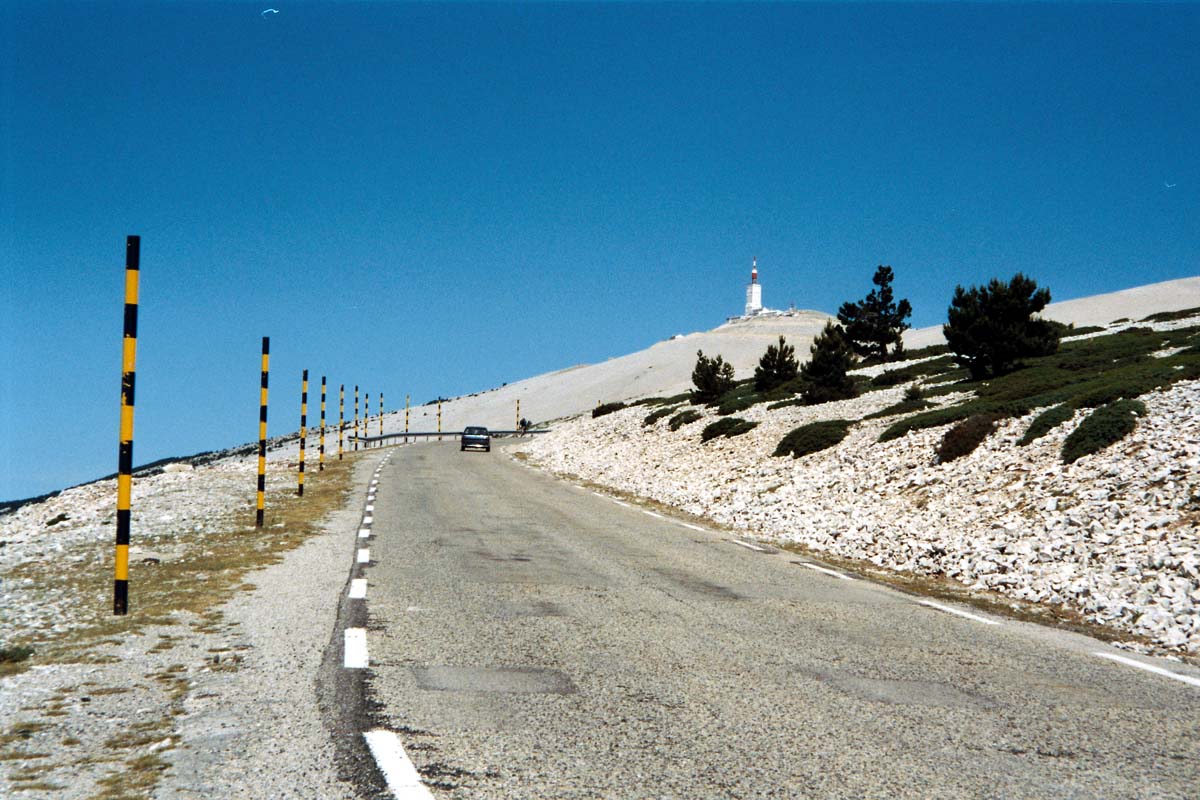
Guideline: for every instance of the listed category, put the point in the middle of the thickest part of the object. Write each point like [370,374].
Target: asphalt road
[529,639]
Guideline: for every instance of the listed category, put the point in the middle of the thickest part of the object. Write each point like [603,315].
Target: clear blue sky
[436,199]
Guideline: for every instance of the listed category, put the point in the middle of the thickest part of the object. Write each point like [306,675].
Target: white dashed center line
[358,589]
[370,507]
[401,776]
[819,568]
[1166,673]
[355,652]
[364,555]
[363,533]
[367,520]
[950,610]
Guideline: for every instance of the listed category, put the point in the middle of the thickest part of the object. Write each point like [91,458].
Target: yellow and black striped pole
[518,415]
[262,434]
[133,248]
[321,458]
[439,419]
[367,417]
[406,419]
[381,415]
[341,417]
[356,417]
[303,423]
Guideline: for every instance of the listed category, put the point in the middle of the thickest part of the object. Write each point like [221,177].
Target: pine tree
[991,328]
[825,373]
[876,322]
[712,378]
[776,367]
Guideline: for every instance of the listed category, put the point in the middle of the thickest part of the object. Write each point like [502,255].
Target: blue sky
[436,199]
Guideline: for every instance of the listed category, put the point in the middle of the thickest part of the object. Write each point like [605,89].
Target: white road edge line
[355,651]
[652,514]
[693,527]
[835,574]
[358,589]
[401,776]
[748,546]
[620,502]
[1166,673]
[955,611]
[364,555]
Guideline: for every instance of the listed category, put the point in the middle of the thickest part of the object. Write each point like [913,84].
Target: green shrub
[813,437]
[658,413]
[683,418]
[903,407]
[930,419]
[1106,425]
[15,654]
[728,427]
[1168,316]
[964,437]
[1084,330]
[732,405]
[607,408]
[1045,422]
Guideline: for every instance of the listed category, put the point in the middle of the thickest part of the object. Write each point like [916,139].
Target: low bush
[607,408]
[903,407]
[1105,426]
[963,438]
[683,418]
[814,437]
[1085,329]
[1045,422]
[728,427]
[733,405]
[1168,316]
[658,413]
[15,654]
[930,419]
[905,374]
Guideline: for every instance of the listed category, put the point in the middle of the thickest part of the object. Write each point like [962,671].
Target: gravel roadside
[257,731]
[183,697]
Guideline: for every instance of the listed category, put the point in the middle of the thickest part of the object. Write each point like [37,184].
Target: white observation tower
[753,292]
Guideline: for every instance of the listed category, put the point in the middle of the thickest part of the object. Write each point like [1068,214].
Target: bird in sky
[1170,185]
[266,11]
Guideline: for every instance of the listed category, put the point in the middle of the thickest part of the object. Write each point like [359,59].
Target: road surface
[529,639]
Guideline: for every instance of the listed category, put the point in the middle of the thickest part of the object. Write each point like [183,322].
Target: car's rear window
[475,430]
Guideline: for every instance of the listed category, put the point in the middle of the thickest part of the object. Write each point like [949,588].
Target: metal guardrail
[370,440]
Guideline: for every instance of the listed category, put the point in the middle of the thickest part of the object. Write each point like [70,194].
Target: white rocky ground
[1115,536]
[199,701]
